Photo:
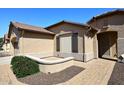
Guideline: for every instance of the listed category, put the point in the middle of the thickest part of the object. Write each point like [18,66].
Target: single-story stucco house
[101,37]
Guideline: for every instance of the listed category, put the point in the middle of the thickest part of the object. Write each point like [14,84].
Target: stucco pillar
[120,43]
[54,46]
[95,46]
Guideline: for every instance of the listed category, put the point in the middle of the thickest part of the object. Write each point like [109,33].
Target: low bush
[23,66]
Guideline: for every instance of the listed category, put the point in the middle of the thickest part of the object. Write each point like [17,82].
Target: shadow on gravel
[54,78]
[117,76]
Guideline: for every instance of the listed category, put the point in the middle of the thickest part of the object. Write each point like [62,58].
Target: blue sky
[46,16]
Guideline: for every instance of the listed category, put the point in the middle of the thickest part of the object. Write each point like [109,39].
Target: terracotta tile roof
[31,28]
[69,22]
[117,11]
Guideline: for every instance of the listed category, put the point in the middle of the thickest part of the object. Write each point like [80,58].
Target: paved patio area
[52,78]
[7,77]
[97,72]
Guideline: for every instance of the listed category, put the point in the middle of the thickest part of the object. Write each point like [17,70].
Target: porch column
[95,46]
[120,43]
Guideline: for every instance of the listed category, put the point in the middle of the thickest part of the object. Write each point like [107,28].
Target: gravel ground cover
[53,78]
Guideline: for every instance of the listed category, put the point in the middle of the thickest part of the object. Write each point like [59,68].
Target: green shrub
[23,66]
[17,59]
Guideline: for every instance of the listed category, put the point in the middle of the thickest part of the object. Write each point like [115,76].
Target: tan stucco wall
[36,43]
[56,67]
[88,44]
[117,19]
[11,49]
[95,46]
[89,48]
[71,28]
[6,47]
[66,27]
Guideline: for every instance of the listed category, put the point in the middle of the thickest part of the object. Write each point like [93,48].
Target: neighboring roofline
[69,22]
[106,14]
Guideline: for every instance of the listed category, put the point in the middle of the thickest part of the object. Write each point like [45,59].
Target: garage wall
[36,43]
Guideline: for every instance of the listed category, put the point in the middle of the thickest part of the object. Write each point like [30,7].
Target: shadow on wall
[105,42]
[117,76]
[90,34]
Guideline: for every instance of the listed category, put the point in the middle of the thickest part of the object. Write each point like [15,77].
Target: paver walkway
[96,72]
[53,78]
[5,60]
[6,76]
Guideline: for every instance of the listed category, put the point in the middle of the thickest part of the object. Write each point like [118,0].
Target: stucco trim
[39,55]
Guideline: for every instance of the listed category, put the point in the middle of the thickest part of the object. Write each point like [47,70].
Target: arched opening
[107,45]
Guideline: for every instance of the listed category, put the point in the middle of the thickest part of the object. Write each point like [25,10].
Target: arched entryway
[107,45]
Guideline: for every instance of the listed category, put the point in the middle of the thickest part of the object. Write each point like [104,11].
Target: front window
[57,44]
[75,42]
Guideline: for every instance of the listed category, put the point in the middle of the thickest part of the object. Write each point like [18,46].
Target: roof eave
[12,24]
[105,14]
[65,22]
[36,31]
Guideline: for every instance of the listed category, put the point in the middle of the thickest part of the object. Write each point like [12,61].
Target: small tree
[1,41]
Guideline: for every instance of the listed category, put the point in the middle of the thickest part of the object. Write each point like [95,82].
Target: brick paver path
[6,75]
[97,72]
[53,78]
